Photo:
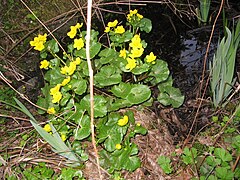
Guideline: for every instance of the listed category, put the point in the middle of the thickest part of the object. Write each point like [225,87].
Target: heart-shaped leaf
[121,90]
[160,71]
[145,25]
[100,105]
[138,94]
[79,86]
[108,76]
[171,96]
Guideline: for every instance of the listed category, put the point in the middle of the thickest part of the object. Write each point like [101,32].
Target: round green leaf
[160,71]
[107,55]
[100,105]
[140,130]
[108,76]
[113,139]
[171,96]
[79,86]
[162,86]
[140,69]
[138,94]
[145,25]
[121,90]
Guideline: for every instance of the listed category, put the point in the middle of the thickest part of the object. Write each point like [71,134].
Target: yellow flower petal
[47,128]
[136,42]
[55,89]
[65,81]
[78,25]
[78,43]
[136,52]
[107,29]
[119,30]
[51,110]
[64,70]
[138,124]
[38,42]
[139,16]
[44,64]
[123,53]
[77,61]
[112,24]
[57,97]
[118,146]
[151,58]
[123,121]
[73,32]
[63,137]
[72,67]
[131,64]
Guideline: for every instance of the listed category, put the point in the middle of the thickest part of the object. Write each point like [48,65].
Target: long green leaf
[24,109]
[54,140]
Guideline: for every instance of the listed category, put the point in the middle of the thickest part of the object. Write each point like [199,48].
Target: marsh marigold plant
[124,71]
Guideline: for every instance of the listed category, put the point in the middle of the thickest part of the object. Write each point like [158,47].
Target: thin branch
[203,73]
[88,37]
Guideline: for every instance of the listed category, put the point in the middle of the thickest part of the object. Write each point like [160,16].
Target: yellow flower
[78,43]
[136,52]
[123,53]
[47,128]
[136,42]
[123,121]
[65,81]
[118,146]
[63,137]
[73,30]
[139,16]
[131,64]
[131,13]
[78,25]
[72,67]
[119,30]
[107,29]
[135,11]
[51,110]
[57,97]
[38,42]
[77,61]
[151,58]
[138,124]
[42,37]
[112,24]
[55,89]
[44,64]
[64,70]
[72,33]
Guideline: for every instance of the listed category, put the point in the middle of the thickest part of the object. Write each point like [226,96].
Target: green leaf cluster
[164,163]
[218,166]
[223,65]
[66,95]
